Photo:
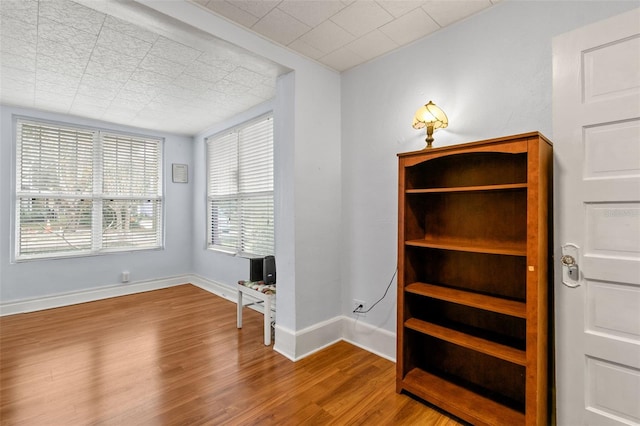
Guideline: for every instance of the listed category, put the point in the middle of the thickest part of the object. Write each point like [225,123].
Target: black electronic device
[269,269]
[256,269]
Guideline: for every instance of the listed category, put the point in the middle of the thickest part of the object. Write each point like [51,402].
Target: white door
[596,135]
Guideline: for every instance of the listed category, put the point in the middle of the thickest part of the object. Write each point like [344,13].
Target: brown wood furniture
[473,278]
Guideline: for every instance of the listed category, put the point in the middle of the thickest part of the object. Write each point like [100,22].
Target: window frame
[96,197]
[238,196]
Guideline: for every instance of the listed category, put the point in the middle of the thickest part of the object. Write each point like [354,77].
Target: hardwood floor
[175,357]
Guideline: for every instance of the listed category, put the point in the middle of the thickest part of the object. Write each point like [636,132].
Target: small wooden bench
[265,294]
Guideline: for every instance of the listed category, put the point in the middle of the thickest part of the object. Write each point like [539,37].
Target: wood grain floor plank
[175,357]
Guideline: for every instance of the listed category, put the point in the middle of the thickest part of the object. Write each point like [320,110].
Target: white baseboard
[294,345]
[300,344]
[222,290]
[65,299]
[370,338]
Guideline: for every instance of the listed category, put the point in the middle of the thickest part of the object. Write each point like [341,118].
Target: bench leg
[239,317]
[267,320]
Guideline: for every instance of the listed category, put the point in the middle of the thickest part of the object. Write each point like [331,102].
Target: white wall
[491,74]
[40,278]
[308,168]
[336,166]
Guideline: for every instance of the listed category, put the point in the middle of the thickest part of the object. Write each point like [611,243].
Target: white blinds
[240,189]
[81,191]
[131,188]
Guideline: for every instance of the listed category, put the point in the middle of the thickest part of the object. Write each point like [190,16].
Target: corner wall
[37,279]
[308,209]
[491,74]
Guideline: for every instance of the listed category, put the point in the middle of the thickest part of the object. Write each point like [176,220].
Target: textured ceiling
[344,33]
[121,62]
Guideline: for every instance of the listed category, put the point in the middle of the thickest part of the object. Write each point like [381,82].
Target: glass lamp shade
[430,115]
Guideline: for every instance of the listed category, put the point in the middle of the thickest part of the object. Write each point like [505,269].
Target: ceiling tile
[137,88]
[180,92]
[362,17]
[111,71]
[166,103]
[100,66]
[447,12]
[257,8]
[87,110]
[410,27]
[150,77]
[247,77]
[100,83]
[398,8]
[230,88]
[109,57]
[90,101]
[94,93]
[58,49]
[18,88]
[174,51]
[201,71]
[18,47]
[221,59]
[74,68]
[311,12]
[129,29]
[263,92]
[7,72]
[119,115]
[99,88]
[20,62]
[232,12]
[125,44]
[341,59]
[131,100]
[57,32]
[327,37]
[50,77]
[189,83]
[372,45]
[14,28]
[72,14]
[162,66]
[306,49]
[58,102]
[21,10]
[280,27]
[60,88]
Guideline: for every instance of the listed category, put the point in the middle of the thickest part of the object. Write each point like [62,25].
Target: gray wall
[491,74]
[39,278]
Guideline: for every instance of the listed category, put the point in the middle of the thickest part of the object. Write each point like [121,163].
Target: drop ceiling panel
[123,62]
[339,33]
[362,17]
[448,12]
[311,12]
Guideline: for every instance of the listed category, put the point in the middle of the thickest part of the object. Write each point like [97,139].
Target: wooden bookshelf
[473,278]
[467,298]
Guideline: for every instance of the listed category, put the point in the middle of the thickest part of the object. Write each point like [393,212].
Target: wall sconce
[431,117]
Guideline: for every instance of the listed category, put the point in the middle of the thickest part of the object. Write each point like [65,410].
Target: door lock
[570,270]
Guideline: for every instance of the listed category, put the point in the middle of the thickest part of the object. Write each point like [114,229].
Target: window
[240,189]
[84,191]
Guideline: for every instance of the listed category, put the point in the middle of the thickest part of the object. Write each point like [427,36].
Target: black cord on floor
[358,311]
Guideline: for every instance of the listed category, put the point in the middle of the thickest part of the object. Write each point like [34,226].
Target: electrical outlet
[359,306]
[125,276]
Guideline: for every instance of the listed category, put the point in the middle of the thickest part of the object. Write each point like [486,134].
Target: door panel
[596,137]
